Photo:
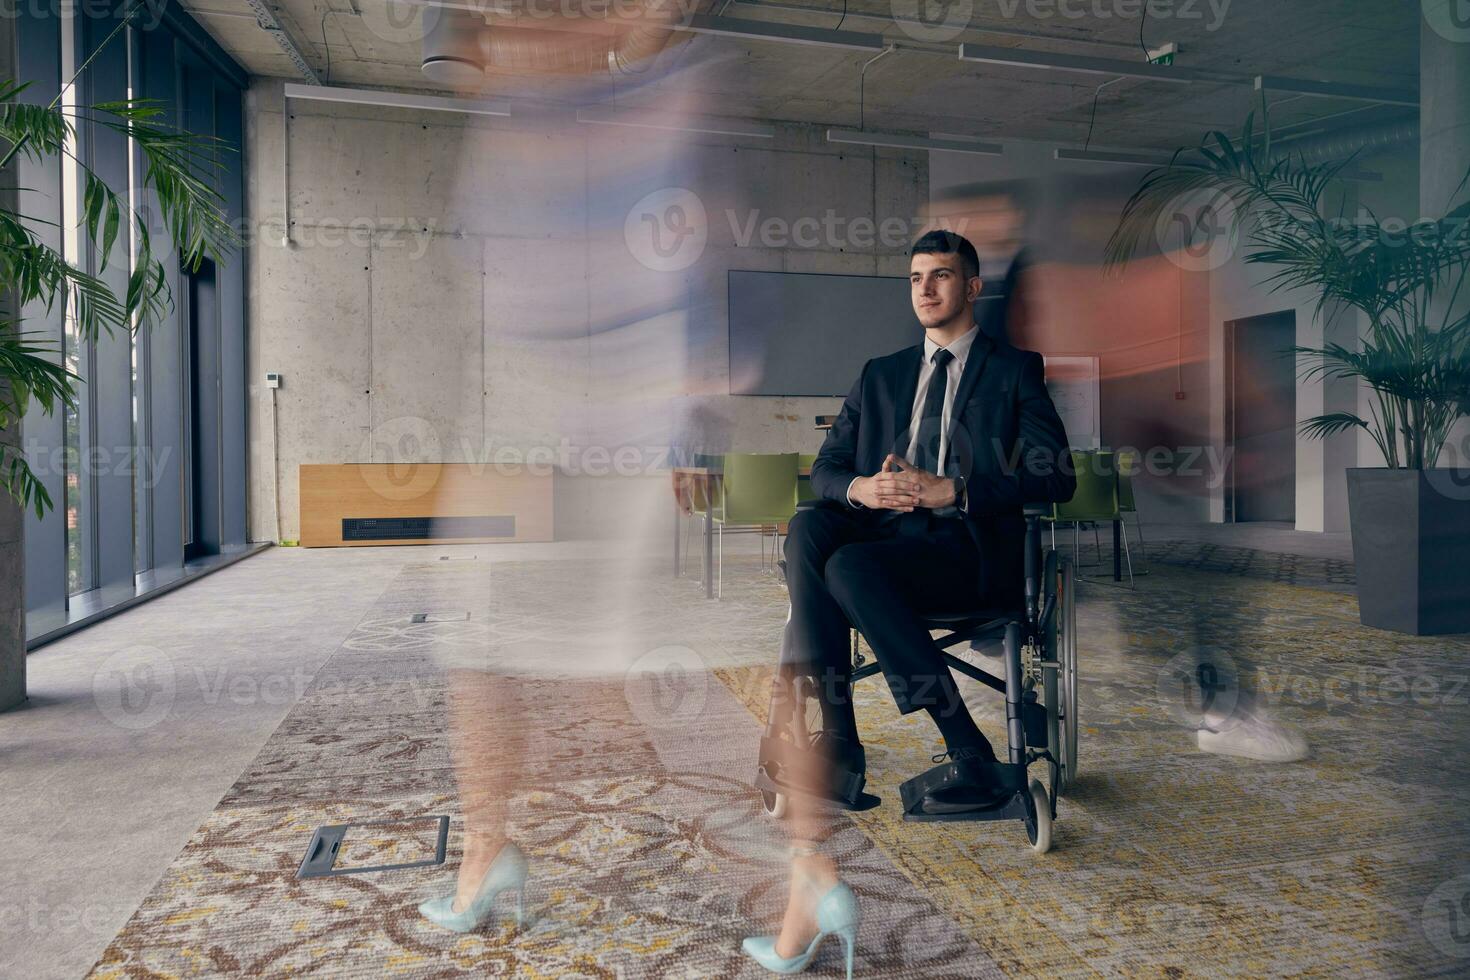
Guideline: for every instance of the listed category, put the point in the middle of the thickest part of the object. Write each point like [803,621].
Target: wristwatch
[959,490]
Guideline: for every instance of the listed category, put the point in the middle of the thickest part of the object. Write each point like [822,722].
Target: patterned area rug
[1331,574]
[650,853]
[639,705]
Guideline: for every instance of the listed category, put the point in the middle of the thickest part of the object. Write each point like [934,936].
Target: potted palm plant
[1410,517]
[179,168]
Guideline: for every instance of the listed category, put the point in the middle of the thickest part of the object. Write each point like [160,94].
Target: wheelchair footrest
[841,787]
[1010,807]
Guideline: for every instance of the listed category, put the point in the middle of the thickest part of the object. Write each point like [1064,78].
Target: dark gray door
[1264,414]
[201,477]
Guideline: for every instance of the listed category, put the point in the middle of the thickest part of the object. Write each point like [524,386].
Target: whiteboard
[1075,384]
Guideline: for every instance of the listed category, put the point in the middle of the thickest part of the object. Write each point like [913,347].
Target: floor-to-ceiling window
[78,497]
[138,469]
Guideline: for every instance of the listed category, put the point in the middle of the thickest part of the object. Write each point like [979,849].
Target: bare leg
[812,873]
[485,744]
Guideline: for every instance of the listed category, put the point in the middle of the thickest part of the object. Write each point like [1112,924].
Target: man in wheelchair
[922,482]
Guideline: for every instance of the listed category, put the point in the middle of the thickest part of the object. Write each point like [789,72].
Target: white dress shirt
[960,349]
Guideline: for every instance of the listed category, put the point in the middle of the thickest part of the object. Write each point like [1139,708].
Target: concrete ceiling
[921,86]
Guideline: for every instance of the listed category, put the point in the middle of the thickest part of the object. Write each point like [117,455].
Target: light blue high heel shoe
[837,912]
[506,873]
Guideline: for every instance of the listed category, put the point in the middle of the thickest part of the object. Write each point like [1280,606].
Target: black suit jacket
[1005,438]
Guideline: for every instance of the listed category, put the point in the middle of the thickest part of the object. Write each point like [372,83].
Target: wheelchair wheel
[1059,677]
[1038,828]
[774,803]
[1067,648]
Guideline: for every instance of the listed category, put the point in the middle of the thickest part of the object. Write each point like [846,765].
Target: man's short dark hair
[941,242]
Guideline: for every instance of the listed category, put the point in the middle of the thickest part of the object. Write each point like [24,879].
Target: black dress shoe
[978,785]
[844,753]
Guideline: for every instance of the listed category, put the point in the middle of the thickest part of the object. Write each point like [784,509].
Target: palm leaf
[1328,425]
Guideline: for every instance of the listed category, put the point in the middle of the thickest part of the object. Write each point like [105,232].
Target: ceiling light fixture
[1109,156]
[397,100]
[1085,64]
[1338,90]
[606,116]
[759,30]
[908,141]
[1153,160]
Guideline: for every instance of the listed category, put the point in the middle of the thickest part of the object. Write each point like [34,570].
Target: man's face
[939,289]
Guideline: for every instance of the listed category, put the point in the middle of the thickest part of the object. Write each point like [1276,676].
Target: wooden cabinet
[375,504]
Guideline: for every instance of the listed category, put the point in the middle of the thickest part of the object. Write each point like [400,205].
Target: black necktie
[931,419]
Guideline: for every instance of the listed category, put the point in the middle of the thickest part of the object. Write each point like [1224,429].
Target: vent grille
[427,528]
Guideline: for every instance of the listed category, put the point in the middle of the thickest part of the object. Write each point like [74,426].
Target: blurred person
[1006,314]
[1227,716]
[1231,718]
[487,754]
[924,475]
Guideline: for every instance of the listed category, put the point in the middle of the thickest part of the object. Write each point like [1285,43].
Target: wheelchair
[1039,642]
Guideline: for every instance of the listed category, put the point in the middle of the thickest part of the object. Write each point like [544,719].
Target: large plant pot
[1411,537]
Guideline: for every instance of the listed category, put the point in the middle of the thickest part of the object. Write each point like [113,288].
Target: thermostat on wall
[272,380]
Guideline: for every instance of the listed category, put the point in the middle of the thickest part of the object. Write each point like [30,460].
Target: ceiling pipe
[451,53]
[1343,143]
[266,20]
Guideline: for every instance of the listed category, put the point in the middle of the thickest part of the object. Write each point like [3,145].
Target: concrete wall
[479,290]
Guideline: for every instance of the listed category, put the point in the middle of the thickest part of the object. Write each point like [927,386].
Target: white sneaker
[1252,736]
[989,658]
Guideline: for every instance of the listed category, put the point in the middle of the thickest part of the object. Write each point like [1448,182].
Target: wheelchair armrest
[1037,510]
[820,503]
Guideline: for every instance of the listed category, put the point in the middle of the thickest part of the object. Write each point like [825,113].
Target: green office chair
[696,503]
[1128,464]
[804,489]
[756,491]
[1096,500]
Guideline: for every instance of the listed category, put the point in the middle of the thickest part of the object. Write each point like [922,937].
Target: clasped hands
[901,486]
